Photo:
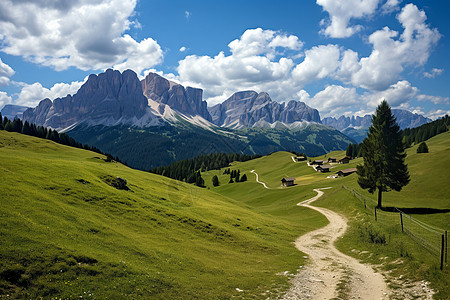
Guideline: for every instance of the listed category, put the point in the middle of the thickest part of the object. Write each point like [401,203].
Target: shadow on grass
[415,210]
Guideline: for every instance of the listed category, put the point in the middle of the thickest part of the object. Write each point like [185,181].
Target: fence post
[401,220]
[446,240]
[442,252]
[365,206]
[375,213]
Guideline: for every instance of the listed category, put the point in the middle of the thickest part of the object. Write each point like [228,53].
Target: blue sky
[339,56]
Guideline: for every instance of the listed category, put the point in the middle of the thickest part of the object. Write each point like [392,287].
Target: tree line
[189,170]
[17,125]
[410,136]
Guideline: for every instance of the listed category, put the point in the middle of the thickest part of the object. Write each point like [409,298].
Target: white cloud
[433,73]
[88,35]
[334,100]
[253,64]
[437,113]
[182,49]
[390,6]
[396,95]
[187,14]
[5,73]
[434,99]
[390,55]
[4,99]
[32,94]
[319,62]
[341,12]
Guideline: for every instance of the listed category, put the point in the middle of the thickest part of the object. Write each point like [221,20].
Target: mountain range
[155,121]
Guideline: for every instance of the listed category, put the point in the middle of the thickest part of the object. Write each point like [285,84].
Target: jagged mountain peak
[248,108]
[187,101]
[108,98]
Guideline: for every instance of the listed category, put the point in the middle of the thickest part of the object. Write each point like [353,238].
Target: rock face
[246,108]
[11,111]
[108,98]
[187,101]
[405,119]
[343,122]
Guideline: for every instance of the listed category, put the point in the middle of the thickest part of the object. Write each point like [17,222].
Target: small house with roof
[331,160]
[323,168]
[300,158]
[346,172]
[287,181]
[345,160]
[317,162]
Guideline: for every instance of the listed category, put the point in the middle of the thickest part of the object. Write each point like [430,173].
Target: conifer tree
[423,148]
[215,180]
[384,167]
[243,178]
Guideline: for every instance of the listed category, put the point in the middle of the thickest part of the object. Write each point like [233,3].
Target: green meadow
[66,232]
[398,255]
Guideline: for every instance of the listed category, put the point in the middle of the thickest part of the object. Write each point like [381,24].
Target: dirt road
[330,273]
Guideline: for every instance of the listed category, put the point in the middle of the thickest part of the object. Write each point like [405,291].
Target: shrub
[423,148]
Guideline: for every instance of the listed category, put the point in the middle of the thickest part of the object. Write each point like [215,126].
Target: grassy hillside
[66,232]
[399,255]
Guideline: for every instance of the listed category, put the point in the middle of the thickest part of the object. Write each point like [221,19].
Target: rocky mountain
[187,101]
[108,98]
[357,127]
[343,122]
[405,119]
[247,108]
[11,111]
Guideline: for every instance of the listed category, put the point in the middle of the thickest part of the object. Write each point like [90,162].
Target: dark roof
[288,179]
[346,171]
[324,166]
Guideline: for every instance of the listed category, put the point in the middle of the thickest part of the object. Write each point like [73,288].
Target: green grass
[381,243]
[66,232]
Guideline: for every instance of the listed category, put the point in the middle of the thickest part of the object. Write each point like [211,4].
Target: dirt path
[330,273]
[257,180]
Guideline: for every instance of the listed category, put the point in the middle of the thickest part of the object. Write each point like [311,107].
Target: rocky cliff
[187,101]
[108,98]
[246,108]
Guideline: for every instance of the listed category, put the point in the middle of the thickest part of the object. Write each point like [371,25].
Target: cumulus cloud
[4,99]
[437,113]
[334,100]
[433,73]
[396,95]
[341,12]
[182,49]
[434,99]
[88,35]
[31,94]
[392,52]
[5,73]
[319,62]
[253,64]
[390,6]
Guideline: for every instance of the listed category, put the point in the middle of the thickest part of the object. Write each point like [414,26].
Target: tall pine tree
[384,167]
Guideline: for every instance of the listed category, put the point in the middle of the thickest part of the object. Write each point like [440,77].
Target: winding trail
[330,273]
[257,180]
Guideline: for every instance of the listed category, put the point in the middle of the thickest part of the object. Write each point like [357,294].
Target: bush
[215,180]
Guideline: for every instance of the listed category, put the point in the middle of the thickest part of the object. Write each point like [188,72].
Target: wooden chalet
[346,172]
[323,168]
[317,162]
[300,158]
[345,160]
[332,159]
[288,181]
